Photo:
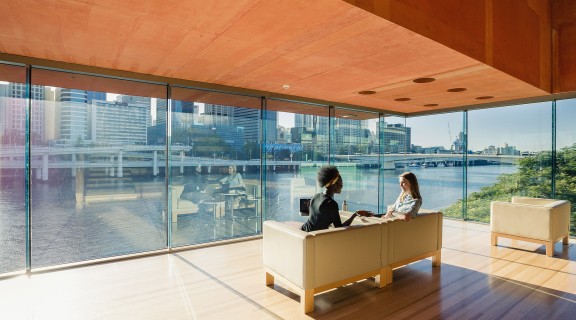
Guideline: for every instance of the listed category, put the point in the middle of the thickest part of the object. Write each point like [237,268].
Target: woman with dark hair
[324,210]
[409,201]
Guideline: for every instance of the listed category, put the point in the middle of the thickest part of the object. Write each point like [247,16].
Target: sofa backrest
[416,237]
[342,253]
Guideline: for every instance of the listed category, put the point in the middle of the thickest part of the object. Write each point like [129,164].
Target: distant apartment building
[504,150]
[396,138]
[247,119]
[119,122]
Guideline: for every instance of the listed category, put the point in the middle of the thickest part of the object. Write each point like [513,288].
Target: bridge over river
[116,158]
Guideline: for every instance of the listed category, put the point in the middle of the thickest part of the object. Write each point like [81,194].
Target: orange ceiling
[324,50]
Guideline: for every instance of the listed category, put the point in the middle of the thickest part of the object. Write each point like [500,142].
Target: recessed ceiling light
[484,97]
[423,80]
[348,115]
[286,86]
[366,92]
[431,105]
[456,89]
[402,99]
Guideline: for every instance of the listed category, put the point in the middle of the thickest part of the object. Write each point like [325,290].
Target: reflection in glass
[294,152]
[13,104]
[96,190]
[355,153]
[215,166]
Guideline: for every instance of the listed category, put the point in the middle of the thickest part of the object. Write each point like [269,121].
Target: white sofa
[543,221]
[313,262]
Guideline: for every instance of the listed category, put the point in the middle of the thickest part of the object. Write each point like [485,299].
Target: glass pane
[12,173]
[214,166]
[294,152]
[355,153]
[566,155]
[396,139]
[510,154]
[96,190]
[436,159]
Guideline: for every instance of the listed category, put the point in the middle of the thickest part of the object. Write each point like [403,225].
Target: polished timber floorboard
[515,280]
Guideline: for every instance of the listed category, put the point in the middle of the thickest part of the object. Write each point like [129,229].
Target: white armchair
[544,221]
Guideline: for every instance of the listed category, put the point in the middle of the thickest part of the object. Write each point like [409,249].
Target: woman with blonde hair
[409,201]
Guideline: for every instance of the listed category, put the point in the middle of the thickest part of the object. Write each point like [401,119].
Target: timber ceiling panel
[323,50]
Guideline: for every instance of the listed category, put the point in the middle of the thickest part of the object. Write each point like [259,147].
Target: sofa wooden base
[381,276]
[307,295]
[436,261]
[549,244]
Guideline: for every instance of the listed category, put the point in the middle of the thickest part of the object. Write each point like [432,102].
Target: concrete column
[111,167]
[38,173]
[79,189]
[181,161]
[209,169]
[155,164]
[45,167]
[73,164]
[120,171]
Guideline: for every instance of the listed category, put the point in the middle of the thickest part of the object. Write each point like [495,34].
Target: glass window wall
[95,193]
[214,166]
[355,153]
[296,146]
[566,155]
[509,154]
[13,105]
[395,149]
[436,158]
[115,165]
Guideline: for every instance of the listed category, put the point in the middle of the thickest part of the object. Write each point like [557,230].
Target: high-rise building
[218,115]
[119,122]
[396,138]
[72,114]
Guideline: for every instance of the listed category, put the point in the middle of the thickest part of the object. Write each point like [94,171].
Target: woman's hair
[327,174]
[414,189]
[233,168]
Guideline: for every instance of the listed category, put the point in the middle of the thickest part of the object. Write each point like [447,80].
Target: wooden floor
[515,280]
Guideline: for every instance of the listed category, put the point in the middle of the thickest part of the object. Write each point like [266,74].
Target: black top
[323,212]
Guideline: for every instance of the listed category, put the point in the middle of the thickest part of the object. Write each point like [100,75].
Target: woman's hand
[407,217]
[388,215]
[364,213]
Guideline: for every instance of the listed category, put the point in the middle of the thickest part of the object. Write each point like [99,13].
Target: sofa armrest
[289,252]
[559,218]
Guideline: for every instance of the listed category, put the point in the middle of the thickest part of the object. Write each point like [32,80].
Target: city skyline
[526,127]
